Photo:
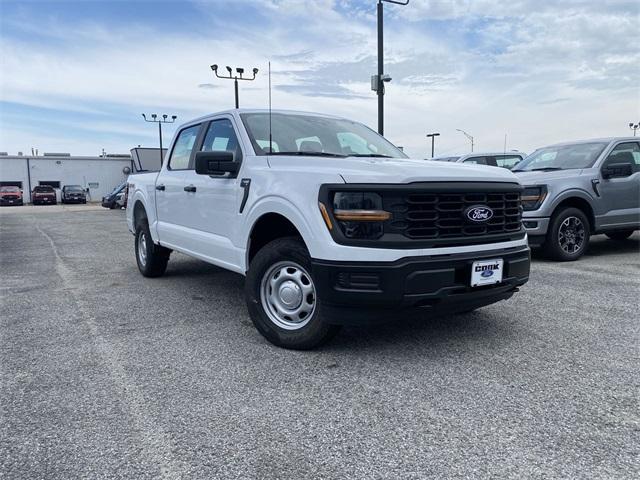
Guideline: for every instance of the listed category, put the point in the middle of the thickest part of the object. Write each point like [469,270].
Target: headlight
[359,214]
[532,197]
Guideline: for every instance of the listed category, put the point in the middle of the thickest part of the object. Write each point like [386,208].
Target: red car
[11,196]
[43,195]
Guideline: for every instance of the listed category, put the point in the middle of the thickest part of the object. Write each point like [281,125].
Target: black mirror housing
[216,163]
[617,170]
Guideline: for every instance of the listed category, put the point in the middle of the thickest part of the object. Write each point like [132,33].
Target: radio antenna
[270,137]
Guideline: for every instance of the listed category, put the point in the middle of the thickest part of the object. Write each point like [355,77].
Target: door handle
[160,187]
[190,188]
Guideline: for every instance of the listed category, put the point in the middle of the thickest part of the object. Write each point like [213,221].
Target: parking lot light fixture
[238,76]
[433,137]
[379,80]
[468,136]
[160,121]
[634,127]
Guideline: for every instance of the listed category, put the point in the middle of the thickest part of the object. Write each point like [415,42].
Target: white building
[100,175]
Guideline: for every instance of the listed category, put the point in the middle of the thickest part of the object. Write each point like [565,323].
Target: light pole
[468,136]
[634,127]
[235,78]
[160,121]
[378,81]
[433,137]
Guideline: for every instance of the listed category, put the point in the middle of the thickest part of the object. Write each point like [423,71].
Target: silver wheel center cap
[290,294]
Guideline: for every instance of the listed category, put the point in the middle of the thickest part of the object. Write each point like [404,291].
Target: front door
[217,198]
[621,195]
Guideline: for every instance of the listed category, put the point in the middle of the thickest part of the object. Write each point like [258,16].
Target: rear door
[173,203]
[620,196]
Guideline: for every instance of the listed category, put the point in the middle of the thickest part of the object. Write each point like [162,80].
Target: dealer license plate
[486,272]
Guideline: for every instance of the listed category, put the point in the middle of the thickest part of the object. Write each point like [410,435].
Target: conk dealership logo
[487,270]
[478,213]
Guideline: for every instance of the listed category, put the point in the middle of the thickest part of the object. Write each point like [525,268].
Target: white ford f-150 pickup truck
[330,223]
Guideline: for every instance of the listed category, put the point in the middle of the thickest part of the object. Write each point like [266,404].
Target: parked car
[111,200]
[503,159]
[73,194]
[43,195]
[10,195]
[574,190]
[329,222]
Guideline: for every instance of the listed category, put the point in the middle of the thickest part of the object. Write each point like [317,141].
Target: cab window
[222,137]
[508,161]
[181,153]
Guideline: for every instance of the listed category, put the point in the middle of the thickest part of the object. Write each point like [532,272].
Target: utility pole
[433,137]
[160,121]
[378,81]
[634,127]
[235,78]
[468,136]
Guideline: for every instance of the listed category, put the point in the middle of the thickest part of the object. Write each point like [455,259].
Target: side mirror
[617,170]
[216,163]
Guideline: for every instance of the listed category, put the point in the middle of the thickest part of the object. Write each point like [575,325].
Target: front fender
[308,223]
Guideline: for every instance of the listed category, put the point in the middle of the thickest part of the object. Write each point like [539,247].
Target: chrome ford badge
[479,213]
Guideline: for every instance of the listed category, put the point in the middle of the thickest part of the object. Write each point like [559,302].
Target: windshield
[564,157]
[43,188]
[446,159]
[118,188]
[9,189]
[315,135]
[74,188]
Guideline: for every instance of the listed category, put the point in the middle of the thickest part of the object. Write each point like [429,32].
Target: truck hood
[395,170]
[541,177]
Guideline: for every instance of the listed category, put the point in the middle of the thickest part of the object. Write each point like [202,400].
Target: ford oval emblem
[479,213]
[487,273]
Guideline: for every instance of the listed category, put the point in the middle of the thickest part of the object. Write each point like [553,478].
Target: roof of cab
[238,111]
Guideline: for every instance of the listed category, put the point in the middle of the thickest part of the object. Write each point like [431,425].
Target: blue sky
[76,76]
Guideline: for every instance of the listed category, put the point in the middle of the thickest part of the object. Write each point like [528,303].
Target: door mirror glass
[216,163]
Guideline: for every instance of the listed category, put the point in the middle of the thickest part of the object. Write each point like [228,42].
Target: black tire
[315,328]
[620,235]
[574,240]
[112,206]
[153,263]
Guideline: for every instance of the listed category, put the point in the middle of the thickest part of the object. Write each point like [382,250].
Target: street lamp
[466,135]
[378,81]
[235,78]
[160,121]
[634,127]
[433,137]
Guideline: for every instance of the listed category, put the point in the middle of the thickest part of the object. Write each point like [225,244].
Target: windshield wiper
[375,155]
[310,154]
[543,169]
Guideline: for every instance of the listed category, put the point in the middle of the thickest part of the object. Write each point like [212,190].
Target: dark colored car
[43,195]
[111,200]
[11,196]
[73,194]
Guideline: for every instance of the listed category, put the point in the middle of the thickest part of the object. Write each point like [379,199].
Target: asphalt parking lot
[106,374]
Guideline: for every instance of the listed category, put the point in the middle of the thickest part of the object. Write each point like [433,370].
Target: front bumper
[536,228]
[366,292]
[11,201]
[75,199]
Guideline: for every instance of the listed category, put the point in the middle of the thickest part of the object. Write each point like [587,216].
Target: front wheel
[152,259]
[620,235]
[568,235]
[282,299]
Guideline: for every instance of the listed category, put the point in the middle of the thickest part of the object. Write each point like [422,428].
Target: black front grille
[442,215]
[436,214]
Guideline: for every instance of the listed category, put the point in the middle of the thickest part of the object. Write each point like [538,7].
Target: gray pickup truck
[574,190]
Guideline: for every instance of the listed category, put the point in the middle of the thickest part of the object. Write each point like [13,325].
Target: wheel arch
[268,227]
[582,204]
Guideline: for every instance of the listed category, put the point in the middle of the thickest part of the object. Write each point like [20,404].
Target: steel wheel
[142,248]
[288,295]
[571,235]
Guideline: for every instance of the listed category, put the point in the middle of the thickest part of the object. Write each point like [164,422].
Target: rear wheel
[620,235]
[152,259]
[282,299]
[568,235]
